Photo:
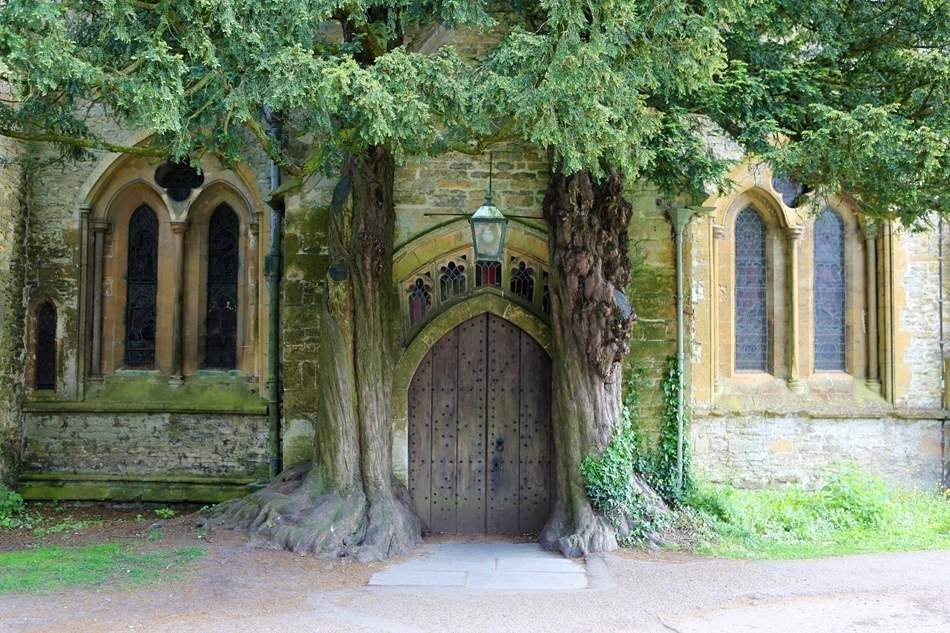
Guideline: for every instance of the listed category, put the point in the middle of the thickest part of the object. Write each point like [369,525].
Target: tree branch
[84,143]
[273,153]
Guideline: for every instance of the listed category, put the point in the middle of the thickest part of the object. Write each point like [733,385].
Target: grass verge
[852,513]
[46,568]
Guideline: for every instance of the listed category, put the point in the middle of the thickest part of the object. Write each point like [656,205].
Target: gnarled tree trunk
[347,501]
[588,221]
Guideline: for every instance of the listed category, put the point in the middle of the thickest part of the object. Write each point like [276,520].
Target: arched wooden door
[480,444]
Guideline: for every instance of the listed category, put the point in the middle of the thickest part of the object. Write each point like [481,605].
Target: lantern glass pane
[488,239]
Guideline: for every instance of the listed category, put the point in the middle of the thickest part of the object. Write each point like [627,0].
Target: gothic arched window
[420,300]
[487,273]
[452,280]
[829,292]
[142,287]
[222,309]
[752,328]
[45,370]
[522,281]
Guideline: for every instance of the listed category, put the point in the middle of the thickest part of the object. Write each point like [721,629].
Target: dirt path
[236,588]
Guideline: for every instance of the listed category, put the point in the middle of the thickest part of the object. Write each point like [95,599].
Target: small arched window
[522,281]
[420,300]
[487,273]
[751,293]
[452,280]
[142,288]
[829,292]
[45,370]
[222,313]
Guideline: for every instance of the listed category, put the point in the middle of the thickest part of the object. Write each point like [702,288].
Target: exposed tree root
[586,534]
[299,513]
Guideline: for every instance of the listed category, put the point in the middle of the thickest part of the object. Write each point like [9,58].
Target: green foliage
[155,535]
[608,478]
[858,90]
[13,512]
[852,512]
[165,512]
[16,515]
[67,524]
[660,469]
[48,568]
[846,97]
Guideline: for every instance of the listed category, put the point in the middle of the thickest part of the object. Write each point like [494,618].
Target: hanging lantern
[489,228]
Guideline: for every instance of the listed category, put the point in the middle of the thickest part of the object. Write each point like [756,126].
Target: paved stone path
[485,566]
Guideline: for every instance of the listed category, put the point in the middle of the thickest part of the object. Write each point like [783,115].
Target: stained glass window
[178,179]
[451,280]
[420,300]
[829,289]
[752,330]
[522,281]
[221,315]
[142,285]
[45,376]
[790,190]
[487,273]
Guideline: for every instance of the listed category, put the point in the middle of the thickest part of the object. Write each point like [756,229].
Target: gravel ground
[236,588]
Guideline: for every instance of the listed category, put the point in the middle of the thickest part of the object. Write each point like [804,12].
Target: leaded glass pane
[451,280]
[142,285]
[522,281]
[752,328]
[829,292]
[487,273]
[420,300]
[178,179]
[45,377]
[789,189]
[222,309]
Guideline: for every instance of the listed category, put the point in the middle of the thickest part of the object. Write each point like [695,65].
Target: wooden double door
[480,443]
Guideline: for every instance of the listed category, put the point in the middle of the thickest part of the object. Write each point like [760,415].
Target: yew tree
[845,97]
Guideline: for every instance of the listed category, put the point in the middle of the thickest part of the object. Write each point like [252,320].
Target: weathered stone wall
[918,375]
[754,451]
[12,259]
[145,444]
[652,293]
[456,184]
[302,288]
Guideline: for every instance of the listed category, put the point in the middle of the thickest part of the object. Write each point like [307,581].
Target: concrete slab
[562,565]
[527,581]
[448,564]
[491,566]
[396,577]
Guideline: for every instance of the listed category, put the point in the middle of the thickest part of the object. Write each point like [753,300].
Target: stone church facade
[134,326]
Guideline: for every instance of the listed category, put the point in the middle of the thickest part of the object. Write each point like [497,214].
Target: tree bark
[588,223]
[347,501]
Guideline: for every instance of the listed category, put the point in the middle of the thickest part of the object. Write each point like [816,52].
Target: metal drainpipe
[943,358]
[680,218]
[272,267]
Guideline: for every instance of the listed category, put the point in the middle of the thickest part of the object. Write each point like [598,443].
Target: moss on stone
[147,391]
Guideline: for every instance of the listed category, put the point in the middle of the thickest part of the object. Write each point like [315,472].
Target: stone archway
[480,441]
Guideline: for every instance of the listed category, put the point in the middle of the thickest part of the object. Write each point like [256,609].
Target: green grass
[46,568]
[852,513]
